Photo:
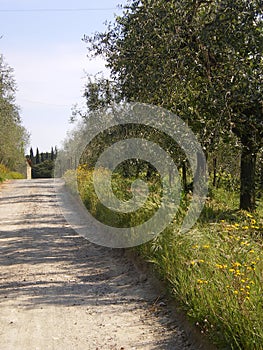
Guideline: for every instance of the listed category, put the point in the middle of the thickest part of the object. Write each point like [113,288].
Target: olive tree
[201,59]
[13,136]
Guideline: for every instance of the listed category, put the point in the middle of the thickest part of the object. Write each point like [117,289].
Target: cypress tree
[37,157]
[52,154]
[31,156]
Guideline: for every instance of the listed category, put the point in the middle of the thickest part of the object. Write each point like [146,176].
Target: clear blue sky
[49,59]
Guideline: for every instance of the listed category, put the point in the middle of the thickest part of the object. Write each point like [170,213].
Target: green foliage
[216,274]
[44,169]
[41,157]
[122,190]
[13,136]
[3,172]
[43,163]
[203,61]
[37,157]
[70,180]
[15,175]
[99,93]
[200,59]
[214,270]
[6,174]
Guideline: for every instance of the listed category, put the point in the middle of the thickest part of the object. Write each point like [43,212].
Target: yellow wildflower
[219,266]
[236,264]
[199,281]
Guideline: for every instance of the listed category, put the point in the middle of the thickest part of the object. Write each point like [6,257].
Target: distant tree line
[42,163]
[13,136]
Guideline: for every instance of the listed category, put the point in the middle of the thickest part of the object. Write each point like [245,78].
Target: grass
[215,270]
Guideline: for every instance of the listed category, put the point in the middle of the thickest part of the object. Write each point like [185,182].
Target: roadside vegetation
[42,163]
[13,136]
[214,271]
[203,62]
[6,174]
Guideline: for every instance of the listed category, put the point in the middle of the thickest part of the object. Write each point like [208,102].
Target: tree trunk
[247,179]
[261,177]
[184,175]
[214,171]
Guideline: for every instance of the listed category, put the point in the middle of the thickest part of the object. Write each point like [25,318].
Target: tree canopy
[13,136]
[42,163]
[202,60]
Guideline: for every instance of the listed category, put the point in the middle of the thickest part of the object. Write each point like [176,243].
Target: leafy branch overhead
[199,59]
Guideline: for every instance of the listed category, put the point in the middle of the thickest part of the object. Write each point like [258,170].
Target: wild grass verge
[215,270]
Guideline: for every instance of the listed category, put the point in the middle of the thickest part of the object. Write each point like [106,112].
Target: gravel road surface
[58,291]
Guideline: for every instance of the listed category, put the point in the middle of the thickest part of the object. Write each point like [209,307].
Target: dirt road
[58,291]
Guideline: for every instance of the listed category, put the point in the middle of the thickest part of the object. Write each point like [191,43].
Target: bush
[5,174]
[43,170]
[3,171]
[15,175]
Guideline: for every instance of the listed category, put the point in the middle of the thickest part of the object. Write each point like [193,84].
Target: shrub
[15,175]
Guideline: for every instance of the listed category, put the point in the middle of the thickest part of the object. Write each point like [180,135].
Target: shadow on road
[44,262]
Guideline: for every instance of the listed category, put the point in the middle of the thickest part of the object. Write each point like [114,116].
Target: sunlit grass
[215,270]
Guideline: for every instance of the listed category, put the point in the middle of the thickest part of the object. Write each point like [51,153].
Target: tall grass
[215,270]
[3,172]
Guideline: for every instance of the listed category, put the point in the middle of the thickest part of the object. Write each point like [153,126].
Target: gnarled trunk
[247,179]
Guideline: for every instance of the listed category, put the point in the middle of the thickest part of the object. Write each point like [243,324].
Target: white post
[28,171]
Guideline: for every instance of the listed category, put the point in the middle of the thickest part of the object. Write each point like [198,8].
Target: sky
[41,41]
